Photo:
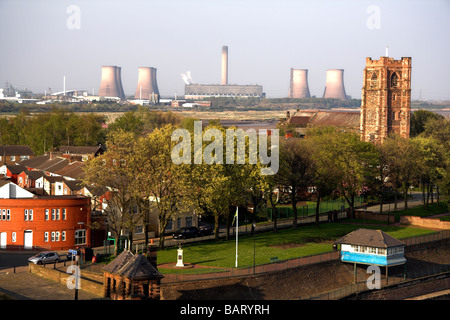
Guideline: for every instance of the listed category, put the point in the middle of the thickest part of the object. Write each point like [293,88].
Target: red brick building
[32,221]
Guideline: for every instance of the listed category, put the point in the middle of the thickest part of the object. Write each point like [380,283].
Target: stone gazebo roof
[370,238]
[133,266]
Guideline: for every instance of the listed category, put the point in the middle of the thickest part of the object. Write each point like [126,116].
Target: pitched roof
[74,184]
[16,150]
[16,168]
[118,262]
[133,267]
[370,238]
[337,118]
[82,150]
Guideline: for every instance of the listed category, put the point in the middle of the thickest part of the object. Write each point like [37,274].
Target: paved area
[27,286]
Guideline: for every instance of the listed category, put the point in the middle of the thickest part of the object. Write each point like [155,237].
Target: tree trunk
[318,208]
[216,227]
[294,208]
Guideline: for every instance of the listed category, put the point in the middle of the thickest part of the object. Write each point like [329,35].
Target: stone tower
[386,99]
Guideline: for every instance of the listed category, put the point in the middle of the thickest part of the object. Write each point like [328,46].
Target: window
[46,214]
[63,236]
[381,251]
[57,214]
[13,158]
[30,214]
[13,237]
[188,221]
[45,236]
[139,229]
[80,236]
[178,223]
[53,214]
[373,80]
[169,225]
[24,158]
[372,250]
[394,80]
[57,235]
[26,214]
[64,214]
[3,217]
[53,236]
[8,214]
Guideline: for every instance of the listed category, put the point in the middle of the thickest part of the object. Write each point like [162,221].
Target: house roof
[82,150]
[370,238]
[299,120]
[16,168]
[337,118]
[133,267]
[73,170]
[16,150]
[74,184]
[46,162]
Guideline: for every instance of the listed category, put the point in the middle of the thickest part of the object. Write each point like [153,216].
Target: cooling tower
[224,65]
[147,88]
[299,84]
[111,84]
[334,87]
[119,82]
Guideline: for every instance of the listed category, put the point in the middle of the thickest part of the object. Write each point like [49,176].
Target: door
[3,240]
[28,239]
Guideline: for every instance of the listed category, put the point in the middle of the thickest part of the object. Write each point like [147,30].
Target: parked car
[185,233]
[45,257]
[205,230]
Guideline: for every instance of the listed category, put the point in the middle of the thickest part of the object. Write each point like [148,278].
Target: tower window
[394,80]
[373,80]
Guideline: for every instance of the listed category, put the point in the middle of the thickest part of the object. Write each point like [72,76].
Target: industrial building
[147,87]
[334,86]
[111,84]
[299,84]
[224,90]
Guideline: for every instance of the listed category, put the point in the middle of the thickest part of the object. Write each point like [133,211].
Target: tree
[295,171]
[403,163]
[111,171]
[325,176]
[158,179]
[353,162]
[419,119]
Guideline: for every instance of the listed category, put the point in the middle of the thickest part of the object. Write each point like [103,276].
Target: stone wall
[425,222]
[59,275]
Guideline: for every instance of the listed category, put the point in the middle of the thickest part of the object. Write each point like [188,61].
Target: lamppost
[254,247]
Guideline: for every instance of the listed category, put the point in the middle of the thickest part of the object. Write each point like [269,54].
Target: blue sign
[73,252]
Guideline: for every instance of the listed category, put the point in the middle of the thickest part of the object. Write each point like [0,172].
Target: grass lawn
[284,244]
[422,211]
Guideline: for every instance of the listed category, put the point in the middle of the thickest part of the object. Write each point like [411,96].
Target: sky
[44,40]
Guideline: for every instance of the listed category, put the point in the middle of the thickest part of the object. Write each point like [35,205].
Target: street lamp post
[254,247]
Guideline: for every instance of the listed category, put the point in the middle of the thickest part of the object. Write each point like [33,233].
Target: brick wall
[425,222]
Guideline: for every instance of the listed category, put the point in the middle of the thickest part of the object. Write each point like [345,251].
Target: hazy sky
[44,40]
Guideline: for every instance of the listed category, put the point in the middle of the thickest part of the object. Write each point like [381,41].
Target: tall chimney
[224,65]
[111,84]
[299,84]
[334,87]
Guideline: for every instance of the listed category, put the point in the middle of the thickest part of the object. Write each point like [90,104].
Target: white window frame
[53,214]
[53,236]
[80,236]
[57,236]
[63,236]
[58,215]
[45,236]
[64,214]
[47,214]
[30,214]
[25,214]
[13,237]
[8,214]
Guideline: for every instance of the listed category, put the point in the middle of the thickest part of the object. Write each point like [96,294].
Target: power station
[200,91]
[299,84]
[111,84]
[147,87]
[334,85]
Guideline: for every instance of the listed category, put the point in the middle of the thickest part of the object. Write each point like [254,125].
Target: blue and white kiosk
[371,247]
